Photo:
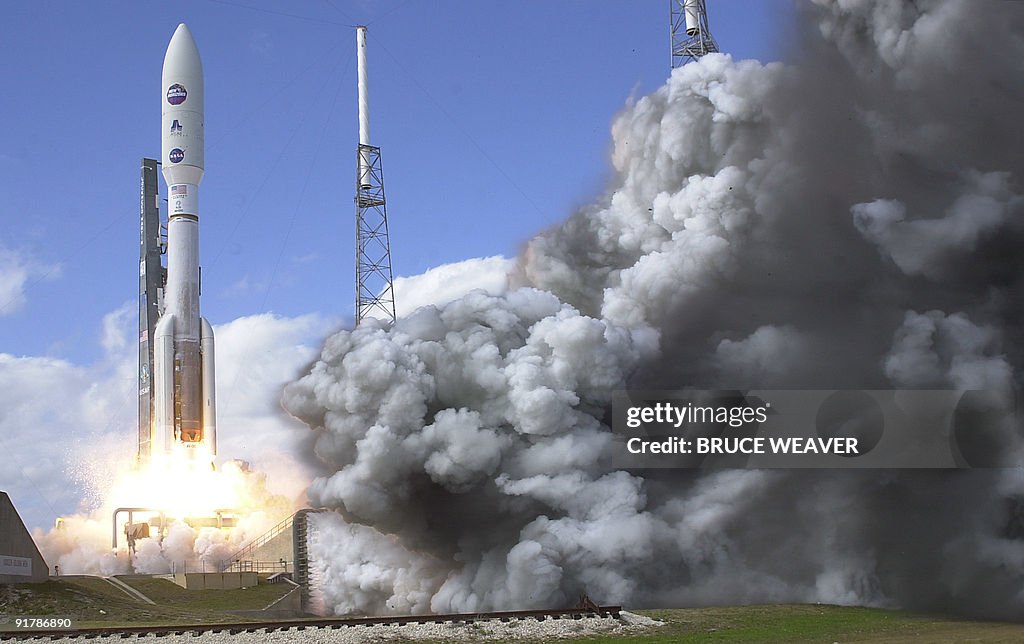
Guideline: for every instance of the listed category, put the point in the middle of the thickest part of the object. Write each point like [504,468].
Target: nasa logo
[176,94]
[177,155]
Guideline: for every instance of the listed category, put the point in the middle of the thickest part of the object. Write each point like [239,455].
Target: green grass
[167,593]
[93,601]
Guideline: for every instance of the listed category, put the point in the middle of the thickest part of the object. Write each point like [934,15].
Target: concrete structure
[20,561]
[215,580]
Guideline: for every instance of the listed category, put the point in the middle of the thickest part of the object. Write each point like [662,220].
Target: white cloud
[16,269]
[44,405]
[445,283]
[260,44]
[246,285]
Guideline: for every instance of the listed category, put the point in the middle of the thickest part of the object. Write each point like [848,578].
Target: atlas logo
[177,155]
[176,94]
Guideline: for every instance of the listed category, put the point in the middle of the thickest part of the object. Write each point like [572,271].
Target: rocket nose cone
[182,51]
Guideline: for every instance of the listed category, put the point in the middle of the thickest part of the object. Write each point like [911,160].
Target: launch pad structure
[158,518]
[689,34]
[152,278]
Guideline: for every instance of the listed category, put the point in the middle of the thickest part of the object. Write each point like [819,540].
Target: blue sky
[492,117]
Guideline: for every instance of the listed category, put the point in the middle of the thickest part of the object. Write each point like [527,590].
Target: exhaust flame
[187,498]
[181,486]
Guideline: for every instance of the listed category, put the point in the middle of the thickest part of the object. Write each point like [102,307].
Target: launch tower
[152,279]
[689,32]
[374,290]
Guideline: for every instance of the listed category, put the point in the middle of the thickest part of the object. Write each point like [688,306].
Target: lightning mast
[374,288]
[689,32]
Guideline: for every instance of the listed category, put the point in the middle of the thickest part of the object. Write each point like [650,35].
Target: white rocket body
[184,403]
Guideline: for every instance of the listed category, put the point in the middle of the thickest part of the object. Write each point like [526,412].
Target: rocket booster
[184,402]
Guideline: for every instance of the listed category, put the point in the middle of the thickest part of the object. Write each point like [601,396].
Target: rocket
[184,397]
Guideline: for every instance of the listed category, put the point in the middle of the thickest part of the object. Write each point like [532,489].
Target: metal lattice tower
[374,284]
[689,32]
[374,291]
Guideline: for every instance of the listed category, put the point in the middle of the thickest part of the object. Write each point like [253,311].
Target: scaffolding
[374,285]
[688,31]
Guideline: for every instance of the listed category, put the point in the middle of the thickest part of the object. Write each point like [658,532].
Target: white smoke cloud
[925,246]
[767,226]
[938,350]
[81,547]
[523,360]
[374,572]
[769,355]
[116,335]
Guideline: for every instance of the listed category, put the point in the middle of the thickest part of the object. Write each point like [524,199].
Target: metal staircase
[244,559]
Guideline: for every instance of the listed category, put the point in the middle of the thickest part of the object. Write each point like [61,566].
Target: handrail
[260,540]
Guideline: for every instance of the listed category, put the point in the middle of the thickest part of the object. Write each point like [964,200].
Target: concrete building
[20,561]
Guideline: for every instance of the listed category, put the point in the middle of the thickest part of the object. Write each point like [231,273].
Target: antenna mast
[689,32]
[374,284]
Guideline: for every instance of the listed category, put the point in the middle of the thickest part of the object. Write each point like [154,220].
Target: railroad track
[577,612]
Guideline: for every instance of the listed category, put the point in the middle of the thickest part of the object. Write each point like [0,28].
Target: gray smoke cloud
[848,221]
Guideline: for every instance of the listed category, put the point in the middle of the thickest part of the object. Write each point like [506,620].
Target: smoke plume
[851,220]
